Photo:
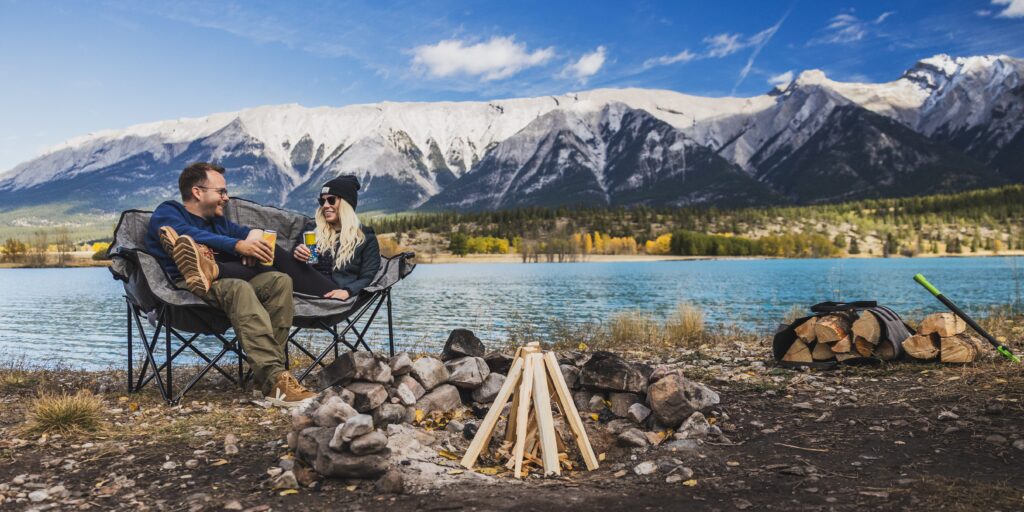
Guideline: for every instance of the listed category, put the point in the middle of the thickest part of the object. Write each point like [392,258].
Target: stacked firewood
[943,336]
[838,337]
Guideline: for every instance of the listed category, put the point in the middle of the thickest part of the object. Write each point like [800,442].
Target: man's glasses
[331,200]
[222,191]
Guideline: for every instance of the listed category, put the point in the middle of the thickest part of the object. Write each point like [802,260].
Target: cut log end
[822,352]
[944,324]
[959,348]
[832,328]
[922,346]
[798,353]
[867,327]
[805,331]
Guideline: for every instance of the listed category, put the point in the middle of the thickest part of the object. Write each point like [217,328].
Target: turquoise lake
[77,316]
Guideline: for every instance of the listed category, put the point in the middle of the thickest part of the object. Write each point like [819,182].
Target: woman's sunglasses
[331,200]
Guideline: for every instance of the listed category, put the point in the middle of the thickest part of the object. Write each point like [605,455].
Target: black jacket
[359,272]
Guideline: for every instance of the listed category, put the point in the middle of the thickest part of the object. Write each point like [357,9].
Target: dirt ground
[891,437]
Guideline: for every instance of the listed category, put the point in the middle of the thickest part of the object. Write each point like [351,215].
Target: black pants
[305,278]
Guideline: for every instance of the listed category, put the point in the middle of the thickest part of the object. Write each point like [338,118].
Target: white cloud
[667,60]
[759,40]
[847,28]
[587,66]
[983,12]
[781,78]
[1014,9]
[500,57]
[723,45]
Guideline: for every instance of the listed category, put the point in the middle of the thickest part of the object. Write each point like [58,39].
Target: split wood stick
[884,351]
[531,439]
[798,353]
[863,346]
[545,422]
[832,328]
[959,348]
[922,346]
[822,352]
[943,324]
[483,434]
[867,327]
[805,331]
[523,413]
[572,416]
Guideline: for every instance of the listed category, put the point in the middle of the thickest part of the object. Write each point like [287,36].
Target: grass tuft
[64,413]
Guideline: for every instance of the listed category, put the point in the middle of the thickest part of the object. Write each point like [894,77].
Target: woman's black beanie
[345,187]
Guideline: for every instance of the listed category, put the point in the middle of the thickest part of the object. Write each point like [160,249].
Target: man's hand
[301,253]
[337,294]
[259,249]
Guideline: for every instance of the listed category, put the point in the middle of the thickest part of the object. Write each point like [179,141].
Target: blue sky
[74,66]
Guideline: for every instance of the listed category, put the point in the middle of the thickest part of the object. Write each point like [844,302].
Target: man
[256,299]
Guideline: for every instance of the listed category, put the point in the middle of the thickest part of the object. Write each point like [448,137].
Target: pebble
[803,406]
[646,468]
[191,463]
[948,416]
[232,505]
[37,496]
[1019,444]
[169,465]
[996,439]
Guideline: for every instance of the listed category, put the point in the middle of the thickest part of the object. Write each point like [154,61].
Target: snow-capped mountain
[945,124]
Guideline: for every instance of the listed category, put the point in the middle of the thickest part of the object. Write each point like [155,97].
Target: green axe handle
[958,312]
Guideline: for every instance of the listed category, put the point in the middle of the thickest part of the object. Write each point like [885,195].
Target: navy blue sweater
[217,233]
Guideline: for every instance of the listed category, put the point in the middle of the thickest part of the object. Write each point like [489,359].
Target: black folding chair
[181,319]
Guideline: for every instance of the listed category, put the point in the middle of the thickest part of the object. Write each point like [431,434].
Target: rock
[368,396]
[454,426]
[646,468]
[638,413]
[948,416]
[38,495]
[487,391]
[573,358]
[621,402]
[683,446]
[632,437]
[400,364]
[571,374]
[606,371]
[333,412]
[351,429]
[443,399]
[679,474]
[467,372]
[372,442]
[232,505]
[1019,444]
[581,399]
[230,444]
[348,465]
[301,420]
[429,372]
[695,427]
[391,483]
[498,362]
[169,465]
[995,439]
[286,464]
[673,398]
[462,343]
[284,481]
[618,425]
[409,387]
[355,366]
[596,404]
[660,372]
[311,441]
[387,414]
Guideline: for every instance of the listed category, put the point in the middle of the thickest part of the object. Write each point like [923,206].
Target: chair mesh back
[289,225]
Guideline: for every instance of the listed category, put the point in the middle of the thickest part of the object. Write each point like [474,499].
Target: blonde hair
[341,240]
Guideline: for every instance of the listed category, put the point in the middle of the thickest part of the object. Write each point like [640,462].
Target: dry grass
[64,413]
[685,323]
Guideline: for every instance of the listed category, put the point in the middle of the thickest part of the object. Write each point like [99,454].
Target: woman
[349,256]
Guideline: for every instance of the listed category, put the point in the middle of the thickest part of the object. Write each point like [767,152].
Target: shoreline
[448,258]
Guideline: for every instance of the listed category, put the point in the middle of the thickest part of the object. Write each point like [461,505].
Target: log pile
[944,336]
[838,337]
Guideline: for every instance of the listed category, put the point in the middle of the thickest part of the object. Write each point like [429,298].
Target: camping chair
[180,317]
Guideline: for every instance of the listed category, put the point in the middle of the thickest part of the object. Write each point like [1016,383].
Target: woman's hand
[337,294]
[301,253]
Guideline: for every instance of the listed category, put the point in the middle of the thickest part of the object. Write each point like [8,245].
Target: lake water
[77,316]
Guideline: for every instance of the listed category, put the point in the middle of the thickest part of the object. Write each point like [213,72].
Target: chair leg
[129,316]
[170,359]
[391,329]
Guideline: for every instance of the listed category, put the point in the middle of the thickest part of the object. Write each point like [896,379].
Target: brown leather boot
[287,392]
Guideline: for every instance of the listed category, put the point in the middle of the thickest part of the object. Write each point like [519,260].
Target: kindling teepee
[531,428]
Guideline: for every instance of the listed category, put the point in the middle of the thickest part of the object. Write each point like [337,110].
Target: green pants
[261,312]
